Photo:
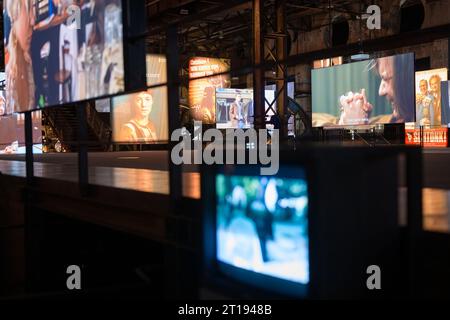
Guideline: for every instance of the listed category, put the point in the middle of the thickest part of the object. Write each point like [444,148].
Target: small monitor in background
[12,133]
[429,105]
[234,108]
[445,94]
[377,91]
[103,105]
[205,76]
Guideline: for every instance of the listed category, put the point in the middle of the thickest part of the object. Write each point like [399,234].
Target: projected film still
[262,226]
[202,92]
[234,108]
[140,117]
[53,58]
[377,91]
[428,97]
[143,117]
[12,133]
[4,108]
[445,90]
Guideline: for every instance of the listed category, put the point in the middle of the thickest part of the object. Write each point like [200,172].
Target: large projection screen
[205,77]
[53,58]
[377,91]
[142,117]
[428,97]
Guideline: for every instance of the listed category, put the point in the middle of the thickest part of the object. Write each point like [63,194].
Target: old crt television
[309,232]
[376,91]
[259,234]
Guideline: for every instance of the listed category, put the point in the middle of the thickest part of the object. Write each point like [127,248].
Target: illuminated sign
[437,138]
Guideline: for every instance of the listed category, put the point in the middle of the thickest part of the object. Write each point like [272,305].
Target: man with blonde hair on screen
[435,90]
[19,70]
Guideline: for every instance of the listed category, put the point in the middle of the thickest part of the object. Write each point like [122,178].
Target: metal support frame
[29,158]
[261,45]
[281,82]
[30,248]
[258,72]
[83,166]
[174,256]
[173,102]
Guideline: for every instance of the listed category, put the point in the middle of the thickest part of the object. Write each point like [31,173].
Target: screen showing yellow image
[143,117]
[202,91]
[428,97]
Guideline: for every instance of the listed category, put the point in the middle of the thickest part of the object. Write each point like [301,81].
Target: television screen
[234,108]
[4,108]
[377,91]
[12,133]
[103,105]
[61,52]
[143,117]
[202,91]
[428,97]
[262,228]
[445,90]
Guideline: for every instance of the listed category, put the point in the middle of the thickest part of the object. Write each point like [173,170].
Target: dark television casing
[353,223]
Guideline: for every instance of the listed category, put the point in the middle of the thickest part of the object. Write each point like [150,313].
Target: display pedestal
[373,135]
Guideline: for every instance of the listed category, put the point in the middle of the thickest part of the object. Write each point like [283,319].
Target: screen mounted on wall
[58,52]
[377,91]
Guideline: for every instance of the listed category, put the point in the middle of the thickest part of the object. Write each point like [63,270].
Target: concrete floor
[147,171]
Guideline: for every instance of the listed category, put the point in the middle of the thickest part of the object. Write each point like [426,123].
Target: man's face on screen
[386,71]
[423,87]
[144,102]
[435,85]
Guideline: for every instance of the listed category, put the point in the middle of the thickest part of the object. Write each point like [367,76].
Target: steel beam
[258,71]
[174,107]
[281,72]
[29,158]
[83,166]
